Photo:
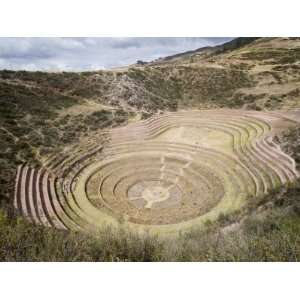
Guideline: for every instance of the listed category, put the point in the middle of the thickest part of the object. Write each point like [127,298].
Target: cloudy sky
[78,54]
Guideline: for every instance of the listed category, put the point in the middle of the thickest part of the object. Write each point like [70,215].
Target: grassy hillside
[44,113]
[260,73]
[32,124]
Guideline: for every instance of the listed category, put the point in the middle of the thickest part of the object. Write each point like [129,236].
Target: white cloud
[90,53]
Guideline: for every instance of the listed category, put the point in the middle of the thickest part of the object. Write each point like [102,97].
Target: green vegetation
[26,116]
[266,230]
[290,141]
[21,241]
[216,86]
[162,90]
[31,126]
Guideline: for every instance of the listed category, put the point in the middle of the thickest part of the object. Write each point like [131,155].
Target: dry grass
[266,230]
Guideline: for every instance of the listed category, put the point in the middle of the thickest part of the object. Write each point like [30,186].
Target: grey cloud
[80,54]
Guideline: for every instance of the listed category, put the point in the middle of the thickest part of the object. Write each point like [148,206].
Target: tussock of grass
[267,230]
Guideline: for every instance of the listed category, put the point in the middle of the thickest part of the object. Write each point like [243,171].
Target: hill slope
[48,113]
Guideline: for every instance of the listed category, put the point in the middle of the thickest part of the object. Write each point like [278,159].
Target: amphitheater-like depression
[165,174]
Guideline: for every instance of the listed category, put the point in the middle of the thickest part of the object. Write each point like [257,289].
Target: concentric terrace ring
[165,174]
